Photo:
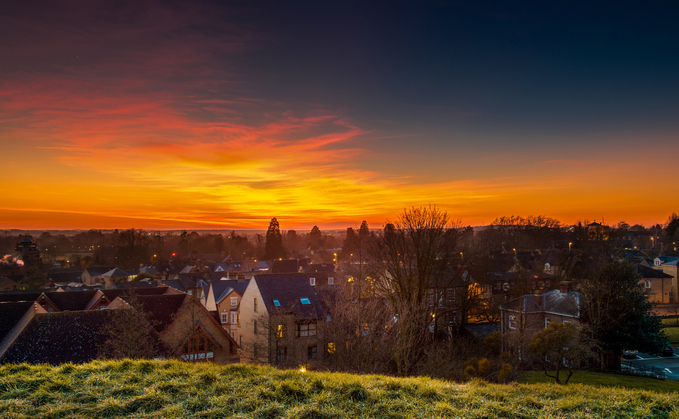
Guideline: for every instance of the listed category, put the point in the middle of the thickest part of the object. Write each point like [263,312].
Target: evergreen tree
[618,313]
[273,249]
[315,238]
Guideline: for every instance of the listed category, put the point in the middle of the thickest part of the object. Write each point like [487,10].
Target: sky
[216,114]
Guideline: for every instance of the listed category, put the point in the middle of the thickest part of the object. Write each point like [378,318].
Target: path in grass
[171,389]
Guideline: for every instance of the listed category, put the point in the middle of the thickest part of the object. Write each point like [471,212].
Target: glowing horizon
[142,120]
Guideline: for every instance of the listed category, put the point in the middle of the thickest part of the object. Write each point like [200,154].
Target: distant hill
[172,389]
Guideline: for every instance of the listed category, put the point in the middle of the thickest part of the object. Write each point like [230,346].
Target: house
[288,266]
[320,274]
[521,317]
[658,285]
[223,298]
[670,268]
[7,284]
[114,276]
[94,274]
[281,321]
[184,326]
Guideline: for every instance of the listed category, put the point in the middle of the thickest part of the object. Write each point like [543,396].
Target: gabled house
[670,267]
[94,274]
[321,274]
[223,298]
[185,327]
[521,317]
[281,319]
[658,285]
[114,276]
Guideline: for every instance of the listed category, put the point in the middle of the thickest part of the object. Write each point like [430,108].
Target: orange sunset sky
[162,116]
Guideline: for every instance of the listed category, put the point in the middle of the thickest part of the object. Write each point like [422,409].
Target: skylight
[305,301]
[276,303]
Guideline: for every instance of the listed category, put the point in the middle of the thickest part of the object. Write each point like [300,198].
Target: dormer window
[312,281]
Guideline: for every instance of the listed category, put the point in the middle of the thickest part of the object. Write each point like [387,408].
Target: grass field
[171,389]
[672,334]
[606,380]
[671,322]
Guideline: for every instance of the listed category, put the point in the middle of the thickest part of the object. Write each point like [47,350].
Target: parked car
[629,354]
[667,350]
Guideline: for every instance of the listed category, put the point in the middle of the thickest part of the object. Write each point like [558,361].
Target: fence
[645,370]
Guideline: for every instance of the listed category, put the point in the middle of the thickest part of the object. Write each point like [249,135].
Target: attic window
[276,303]
[305,301]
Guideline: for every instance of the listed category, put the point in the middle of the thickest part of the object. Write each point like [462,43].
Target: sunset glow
[138,119]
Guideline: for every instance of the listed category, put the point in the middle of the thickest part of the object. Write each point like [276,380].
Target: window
[648,283]
[234,318]
[280,331]
[304,330]
[255,327]
[198,347]
[312,351]
[189,292]
[255,304]
[512,322]
[331,347]
[240,341]
[234,301]
[305,301]
[276,303]
[312,281]
[331,280]
[225,318]
[546,321]
[238,319]
[102,307]
[281,353]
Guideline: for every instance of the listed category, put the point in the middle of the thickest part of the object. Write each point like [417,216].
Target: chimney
[565,287]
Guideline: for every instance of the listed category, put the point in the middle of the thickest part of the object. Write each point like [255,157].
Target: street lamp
[569,246]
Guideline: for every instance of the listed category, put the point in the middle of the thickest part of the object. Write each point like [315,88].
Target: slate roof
[57,338]
[553,301]
[112,294]
[162,309]
[98,270]
[115,272]
[288,289]
[148,270]
[19,296]
[221,288]
[62,276]
[647,272]
[320,267]
[71,300]
[288,266]
[10,314]
[174,283]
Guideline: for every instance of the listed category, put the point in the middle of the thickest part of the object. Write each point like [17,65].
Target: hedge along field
[172,389]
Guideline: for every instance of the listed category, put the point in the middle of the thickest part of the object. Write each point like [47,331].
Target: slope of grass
[606,380]
[171,389]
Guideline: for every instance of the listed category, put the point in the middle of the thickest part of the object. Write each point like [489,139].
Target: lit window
[312,281]
[305,301]
[225,317]
[276,303]
[234,301]
[331,347]
[280,332]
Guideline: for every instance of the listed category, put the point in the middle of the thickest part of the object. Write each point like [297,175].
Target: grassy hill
[170,389]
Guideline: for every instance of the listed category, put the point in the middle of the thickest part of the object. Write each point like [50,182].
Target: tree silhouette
[273,249]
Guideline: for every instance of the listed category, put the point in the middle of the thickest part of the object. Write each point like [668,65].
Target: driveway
[668,364]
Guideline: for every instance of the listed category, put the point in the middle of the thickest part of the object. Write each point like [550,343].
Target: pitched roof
[288,266]
[174,283]
[71,300]
[98,270]
[221,289]
[10,314]
[288,290]
[554,301]
[647,272]
[162,309]
[115,272]
[57,338]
